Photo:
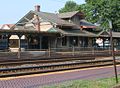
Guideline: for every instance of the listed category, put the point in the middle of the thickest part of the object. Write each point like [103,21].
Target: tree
[104,10]
[69,6]
[98,11]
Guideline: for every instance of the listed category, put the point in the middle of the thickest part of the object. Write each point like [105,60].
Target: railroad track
[15,62]
[55,58]
[27,70]
[18,67]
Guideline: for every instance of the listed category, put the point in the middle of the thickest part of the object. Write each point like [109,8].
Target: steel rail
[7,72]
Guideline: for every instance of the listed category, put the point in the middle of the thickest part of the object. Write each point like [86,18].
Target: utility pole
[113,51]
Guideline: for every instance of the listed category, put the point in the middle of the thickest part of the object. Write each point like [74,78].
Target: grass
[100,83]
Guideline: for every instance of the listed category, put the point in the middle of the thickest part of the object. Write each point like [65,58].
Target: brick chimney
[37,8]
[37,24]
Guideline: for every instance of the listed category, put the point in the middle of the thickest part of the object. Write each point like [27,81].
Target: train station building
[43,30]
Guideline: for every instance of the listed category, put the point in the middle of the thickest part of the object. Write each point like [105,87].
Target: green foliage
[104,10]
[69,6]
[100,83]
[98,11]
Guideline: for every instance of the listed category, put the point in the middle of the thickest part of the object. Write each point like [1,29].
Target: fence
[56,52]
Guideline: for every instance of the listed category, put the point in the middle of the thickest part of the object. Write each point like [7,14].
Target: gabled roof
[6,25]
[50,17]
[103,33]
[67,14]
[10,25]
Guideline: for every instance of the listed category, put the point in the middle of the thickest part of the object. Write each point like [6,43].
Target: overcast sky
[12,10]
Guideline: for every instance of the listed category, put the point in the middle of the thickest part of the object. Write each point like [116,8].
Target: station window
[74,41]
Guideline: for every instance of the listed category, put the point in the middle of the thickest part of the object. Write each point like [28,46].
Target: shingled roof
[53,18]
[86,24]
[76,32]
[67,14]
[4,25]
[50,17]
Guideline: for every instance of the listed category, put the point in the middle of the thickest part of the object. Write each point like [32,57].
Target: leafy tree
[69,6]
[103,10]
[98,11]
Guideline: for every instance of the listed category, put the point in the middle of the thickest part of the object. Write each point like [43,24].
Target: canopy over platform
[107,34]
[23,32]
[76,32]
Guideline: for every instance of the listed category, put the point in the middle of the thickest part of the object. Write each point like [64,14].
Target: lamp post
[112,50]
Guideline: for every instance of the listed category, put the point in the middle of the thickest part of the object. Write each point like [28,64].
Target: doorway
[45,42]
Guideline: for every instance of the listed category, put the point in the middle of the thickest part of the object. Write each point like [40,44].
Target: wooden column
[104,43]
[68,43]
[8,36]
[56,40]
[40,42]
[49,48]
[89,42]
[27,36]
[19,46]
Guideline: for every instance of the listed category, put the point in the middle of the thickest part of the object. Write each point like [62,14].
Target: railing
[56,52]
[73,50]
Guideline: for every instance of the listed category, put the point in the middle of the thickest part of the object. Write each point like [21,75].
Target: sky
[13,10]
